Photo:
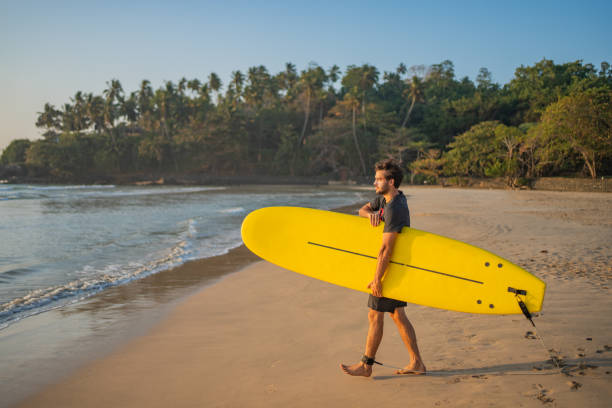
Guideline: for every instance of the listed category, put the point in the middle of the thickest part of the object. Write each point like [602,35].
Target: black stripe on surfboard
[397,263]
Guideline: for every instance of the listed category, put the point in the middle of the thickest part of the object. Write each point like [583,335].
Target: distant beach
[269,337]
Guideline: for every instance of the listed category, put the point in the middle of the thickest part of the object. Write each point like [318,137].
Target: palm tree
[49,118]
[237,81]
[195,102]
[129,108]
[113,92]
[145,94]
[67,117]
[353,102]
[168,99]
[181,104]
[260,93]
[333,74]
[325,94]
[194,85]
[369,78]
[360,81]
[145,98]
[182,85]
[310,82]
[401,69]
[415,94]
[235,87]
[205,93]
[259,90]
[287,81]
[95,110]
[214,83]
[79,117]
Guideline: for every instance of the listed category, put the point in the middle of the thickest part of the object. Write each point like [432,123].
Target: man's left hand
[376,287]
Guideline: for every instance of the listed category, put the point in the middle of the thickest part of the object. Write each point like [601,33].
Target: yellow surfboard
[425,268]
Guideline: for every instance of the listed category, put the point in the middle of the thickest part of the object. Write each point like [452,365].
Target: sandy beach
[269,337]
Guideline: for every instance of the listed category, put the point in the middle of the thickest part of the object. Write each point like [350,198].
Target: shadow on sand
[568,368]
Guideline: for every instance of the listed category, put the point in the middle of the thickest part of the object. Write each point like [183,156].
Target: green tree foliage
[15,152]
[535,87]
[490,149]
[550,119]
[475,152]
[583,121]
[430,165]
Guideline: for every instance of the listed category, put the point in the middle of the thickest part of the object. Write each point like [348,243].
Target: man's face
[381,184]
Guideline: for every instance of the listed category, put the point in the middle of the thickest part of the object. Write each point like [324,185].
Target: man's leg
[409,337]
[375,333]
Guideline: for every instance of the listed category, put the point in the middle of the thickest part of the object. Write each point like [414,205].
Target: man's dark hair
[393,171]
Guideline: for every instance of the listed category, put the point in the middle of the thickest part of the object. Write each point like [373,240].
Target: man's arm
[384,256]
[374,216]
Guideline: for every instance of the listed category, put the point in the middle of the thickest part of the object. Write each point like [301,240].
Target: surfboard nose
[249,225]
[257,230]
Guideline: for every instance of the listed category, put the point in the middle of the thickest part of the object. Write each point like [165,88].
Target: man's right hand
[376,287]
[375,219]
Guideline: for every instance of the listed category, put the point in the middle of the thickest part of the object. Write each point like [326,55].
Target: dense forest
[550,119]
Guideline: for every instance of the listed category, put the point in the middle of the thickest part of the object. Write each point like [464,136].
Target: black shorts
[383,304]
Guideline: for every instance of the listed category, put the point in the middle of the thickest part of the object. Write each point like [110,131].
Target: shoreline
[267,337]
[92,328]
[563,184]
[62,340]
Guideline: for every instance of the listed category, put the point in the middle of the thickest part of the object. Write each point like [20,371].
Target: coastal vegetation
[549,120]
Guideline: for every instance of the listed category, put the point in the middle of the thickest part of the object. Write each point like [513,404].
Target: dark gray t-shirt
[395,214]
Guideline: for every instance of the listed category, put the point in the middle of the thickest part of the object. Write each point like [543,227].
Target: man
[389,206]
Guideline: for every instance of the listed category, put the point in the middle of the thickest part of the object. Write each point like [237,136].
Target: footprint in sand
[542,394]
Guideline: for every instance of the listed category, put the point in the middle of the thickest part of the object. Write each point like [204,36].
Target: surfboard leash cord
[529,317]
[453,373]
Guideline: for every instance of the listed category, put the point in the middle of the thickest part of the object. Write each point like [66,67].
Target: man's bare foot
[417,368]
[359,369]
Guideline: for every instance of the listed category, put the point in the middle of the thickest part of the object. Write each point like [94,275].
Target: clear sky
[51,49]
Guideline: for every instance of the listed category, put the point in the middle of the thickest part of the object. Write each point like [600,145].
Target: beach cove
[264,336]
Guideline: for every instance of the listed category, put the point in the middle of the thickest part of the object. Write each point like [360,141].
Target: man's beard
[382,191]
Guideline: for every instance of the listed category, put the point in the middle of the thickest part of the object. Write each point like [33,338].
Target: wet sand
[42,349]
[268,337]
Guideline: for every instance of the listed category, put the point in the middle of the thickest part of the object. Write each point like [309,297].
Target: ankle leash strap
[368,360]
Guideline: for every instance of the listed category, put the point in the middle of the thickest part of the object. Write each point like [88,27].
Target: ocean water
[61,244]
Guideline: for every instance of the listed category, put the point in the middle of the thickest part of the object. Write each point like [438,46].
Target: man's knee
[398,315]
[375,316]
